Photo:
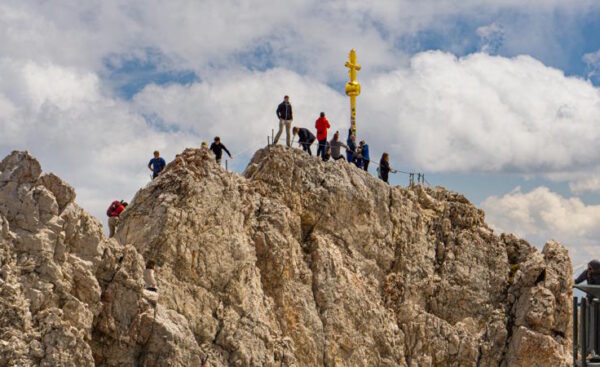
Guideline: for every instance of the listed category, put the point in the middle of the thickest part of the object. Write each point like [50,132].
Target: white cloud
[484,113]
[540,215]
[95,142]
[589,182]
[592,61]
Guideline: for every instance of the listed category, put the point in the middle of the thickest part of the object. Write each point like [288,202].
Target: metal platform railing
[586,326]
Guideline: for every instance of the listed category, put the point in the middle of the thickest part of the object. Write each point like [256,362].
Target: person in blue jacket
[350,146]
[363,155]
[156,164]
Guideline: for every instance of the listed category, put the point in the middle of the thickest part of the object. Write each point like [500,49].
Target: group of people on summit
[359,155]
[356,154]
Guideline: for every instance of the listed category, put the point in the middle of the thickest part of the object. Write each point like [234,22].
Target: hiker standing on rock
[218,149]
[322,125]
[384,167]
[114,210]
[363,158]
[335,146]
[351,146]
[149,276]
[305,138]
[156,164]
[284,113]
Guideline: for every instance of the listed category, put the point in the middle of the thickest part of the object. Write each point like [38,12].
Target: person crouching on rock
[149,276]
[114,210]
[336,145]
[218,149]
[305,138]
[591,274]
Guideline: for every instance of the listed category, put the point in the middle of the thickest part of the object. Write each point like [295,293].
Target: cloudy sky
[498,100]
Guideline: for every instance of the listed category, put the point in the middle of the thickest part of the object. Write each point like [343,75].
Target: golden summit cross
[352,87]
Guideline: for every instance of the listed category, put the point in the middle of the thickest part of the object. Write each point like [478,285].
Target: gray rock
[296,262]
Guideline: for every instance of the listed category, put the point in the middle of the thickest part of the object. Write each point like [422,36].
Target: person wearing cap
[284,113]
[305,138]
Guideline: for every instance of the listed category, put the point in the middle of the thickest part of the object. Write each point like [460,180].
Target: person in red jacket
[114,210]
[322,125]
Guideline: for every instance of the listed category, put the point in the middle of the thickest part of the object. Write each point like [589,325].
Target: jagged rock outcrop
[294,263]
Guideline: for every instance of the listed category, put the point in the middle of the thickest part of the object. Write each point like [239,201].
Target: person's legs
[365,165]
[322,148]
[279,132]
[306,148]
[112,226]
[288,126]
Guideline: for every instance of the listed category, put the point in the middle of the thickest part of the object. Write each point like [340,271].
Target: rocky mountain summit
[296,262]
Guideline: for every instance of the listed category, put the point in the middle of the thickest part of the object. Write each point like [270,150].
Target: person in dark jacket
[305,138]
[284,113]
[363,155]
[591,274]
[384,167]
[351,146]
[218,149]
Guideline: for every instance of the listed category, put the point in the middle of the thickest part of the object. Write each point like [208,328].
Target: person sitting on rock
[218,149]
[156,164]
[149,276]
[114,210]
[305,138]
[336,145]
[591,274]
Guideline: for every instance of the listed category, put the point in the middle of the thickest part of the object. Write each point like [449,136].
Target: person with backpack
[218,149]
[351,146]
[113,212]
[322,125]
[335,145]
[305,138]
[384,167]
[363,155]
[156,164]
[284,113]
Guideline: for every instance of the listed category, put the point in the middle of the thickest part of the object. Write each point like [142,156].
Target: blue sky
[497,100]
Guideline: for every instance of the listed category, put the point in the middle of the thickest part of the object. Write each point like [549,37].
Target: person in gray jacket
[591,274]
[336,146]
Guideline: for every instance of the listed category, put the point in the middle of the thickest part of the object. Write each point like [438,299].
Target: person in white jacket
[149,276]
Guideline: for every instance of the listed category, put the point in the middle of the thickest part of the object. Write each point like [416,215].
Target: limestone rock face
[294,263]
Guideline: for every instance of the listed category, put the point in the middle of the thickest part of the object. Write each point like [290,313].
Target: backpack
[115,204]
